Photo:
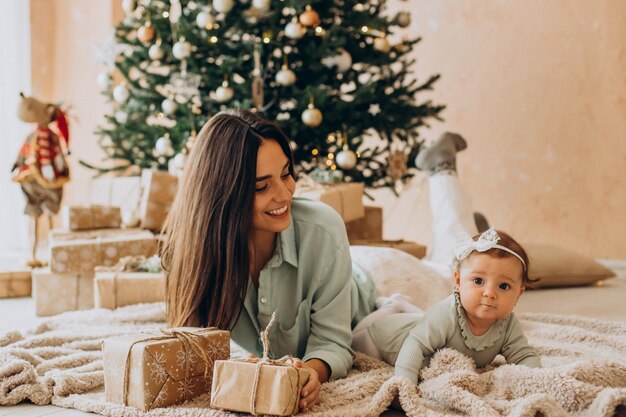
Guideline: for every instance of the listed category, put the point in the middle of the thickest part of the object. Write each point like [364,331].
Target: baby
[477,319]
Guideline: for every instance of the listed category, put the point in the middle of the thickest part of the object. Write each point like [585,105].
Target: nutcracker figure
[41,168]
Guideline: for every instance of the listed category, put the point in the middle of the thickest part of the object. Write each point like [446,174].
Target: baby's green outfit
[408,340]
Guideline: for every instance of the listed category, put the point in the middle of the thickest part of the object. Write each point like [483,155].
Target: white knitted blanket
[584,372]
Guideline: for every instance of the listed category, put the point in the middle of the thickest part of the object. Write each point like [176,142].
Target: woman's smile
[279,213]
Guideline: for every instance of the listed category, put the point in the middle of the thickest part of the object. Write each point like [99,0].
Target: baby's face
[489,287]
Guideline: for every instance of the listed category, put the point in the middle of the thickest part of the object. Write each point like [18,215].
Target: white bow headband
[487,240]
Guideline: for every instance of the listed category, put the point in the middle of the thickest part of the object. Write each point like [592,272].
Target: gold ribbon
[188,341]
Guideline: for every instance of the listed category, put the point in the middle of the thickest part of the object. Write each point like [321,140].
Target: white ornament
[293,30]
[134,73]
[343,61]
[120,93]
[104,80]
[205,20]
[224,93]
[163,146]
[312,117]
[261,4]
[367,172]
[176,165]
[382,45]
[285,77]
[121,117]
[169,106]
[346,159]
[181,49]
[176,10]
[223,6]
[129,6]
[156,52]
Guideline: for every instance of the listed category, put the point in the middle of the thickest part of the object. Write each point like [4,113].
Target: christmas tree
[326,70]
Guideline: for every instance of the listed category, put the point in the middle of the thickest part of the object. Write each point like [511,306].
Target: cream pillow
[395,271]
[558,267]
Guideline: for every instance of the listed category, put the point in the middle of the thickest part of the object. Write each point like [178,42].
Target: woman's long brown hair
[206,253]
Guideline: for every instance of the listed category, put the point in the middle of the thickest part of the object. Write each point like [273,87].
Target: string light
[166,14]
[213,39]
[364,29]
[315,151]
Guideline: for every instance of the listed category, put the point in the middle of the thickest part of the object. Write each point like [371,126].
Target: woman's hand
[310,393]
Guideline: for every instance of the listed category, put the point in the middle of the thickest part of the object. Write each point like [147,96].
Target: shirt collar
[287,244]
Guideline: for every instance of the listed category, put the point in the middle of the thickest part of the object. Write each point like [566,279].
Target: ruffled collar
[478,343]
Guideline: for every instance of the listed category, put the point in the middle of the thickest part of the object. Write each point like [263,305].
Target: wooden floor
[604,301]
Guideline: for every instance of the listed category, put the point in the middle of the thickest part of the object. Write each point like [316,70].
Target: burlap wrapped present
[82,256]
[369,227]
[16,283]
[91,217]
[412,248]
[345,198]
[157,195]
[56,235]
[55,293]
[126,283]
[259,385]
[156,370]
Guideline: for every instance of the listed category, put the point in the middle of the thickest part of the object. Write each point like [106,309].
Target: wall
[538,89]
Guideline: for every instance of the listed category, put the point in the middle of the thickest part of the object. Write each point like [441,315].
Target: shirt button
[264,300]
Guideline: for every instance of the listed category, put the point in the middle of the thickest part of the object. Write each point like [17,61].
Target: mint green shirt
[311,285]
[408,340]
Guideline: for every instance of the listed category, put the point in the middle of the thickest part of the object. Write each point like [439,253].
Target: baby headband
[488,240]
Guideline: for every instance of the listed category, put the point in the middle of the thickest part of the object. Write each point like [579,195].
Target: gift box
[346,198]
[56,235]
[157,370]
[15,283]
[91,217]
[117,289]
[82,256]
[258,385]
[369,227]
[158,191]
[123,192]
[55,293]
[412,248]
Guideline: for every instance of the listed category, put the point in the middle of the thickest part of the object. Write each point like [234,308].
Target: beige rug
[584,375]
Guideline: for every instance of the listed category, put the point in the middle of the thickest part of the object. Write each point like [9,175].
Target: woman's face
[274,189]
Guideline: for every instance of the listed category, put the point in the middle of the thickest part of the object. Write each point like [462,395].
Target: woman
[240,246]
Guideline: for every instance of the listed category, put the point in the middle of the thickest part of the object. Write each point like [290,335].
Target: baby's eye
[478,281]
[504,286]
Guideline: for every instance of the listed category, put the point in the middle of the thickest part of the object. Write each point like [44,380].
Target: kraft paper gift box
[55,293]
[91,217]
[118,289]
[346,198]
[412,248]
[260,385]
[157,370]
[15,283]
[158,191]
[56,235]
[369,227]
[82,256]
[123,192]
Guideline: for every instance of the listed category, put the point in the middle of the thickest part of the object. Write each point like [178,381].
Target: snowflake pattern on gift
[183,357]
[157,368]
[218,351]
[186,388]
[159,400]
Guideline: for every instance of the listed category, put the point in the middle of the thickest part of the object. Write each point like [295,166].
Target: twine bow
[188,340]
[265,360]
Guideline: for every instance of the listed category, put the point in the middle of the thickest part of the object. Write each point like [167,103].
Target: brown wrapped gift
[82,256]
[117,289]
[412,248]
[15,283]
[56,235]
[156,370]
[258,386]
[91,217]
[158,191]
[55,293]
[345,198]
[370,227]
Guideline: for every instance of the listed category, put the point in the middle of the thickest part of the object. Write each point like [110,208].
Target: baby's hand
[310,393]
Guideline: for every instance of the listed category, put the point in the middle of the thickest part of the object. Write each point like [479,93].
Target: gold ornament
[146,33]
[309,18]
[397,165]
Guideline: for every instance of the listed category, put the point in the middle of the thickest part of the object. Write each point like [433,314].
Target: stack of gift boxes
[85,269]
